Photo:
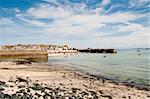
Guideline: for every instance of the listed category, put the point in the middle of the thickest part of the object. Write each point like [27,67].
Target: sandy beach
[42,81]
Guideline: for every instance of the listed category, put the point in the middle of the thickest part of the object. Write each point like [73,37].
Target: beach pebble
[36,86]
[1,95]
[7,96]
[47,96]
[107,96]
[2,83]
[2,89]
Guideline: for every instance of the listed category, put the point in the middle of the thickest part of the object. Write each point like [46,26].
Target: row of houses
[35,47]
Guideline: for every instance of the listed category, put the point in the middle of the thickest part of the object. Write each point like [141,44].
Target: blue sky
[79,23]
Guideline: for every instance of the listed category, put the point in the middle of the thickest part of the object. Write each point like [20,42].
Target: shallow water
[125,66]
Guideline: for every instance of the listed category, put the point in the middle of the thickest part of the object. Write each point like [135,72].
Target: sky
[79,23]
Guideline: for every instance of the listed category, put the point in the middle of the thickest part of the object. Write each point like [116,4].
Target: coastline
[69,79]
[129,84]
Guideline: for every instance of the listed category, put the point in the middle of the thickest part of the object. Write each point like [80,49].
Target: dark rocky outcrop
[97,50]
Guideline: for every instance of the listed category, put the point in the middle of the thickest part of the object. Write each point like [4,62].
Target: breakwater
[23,54]
[97,50]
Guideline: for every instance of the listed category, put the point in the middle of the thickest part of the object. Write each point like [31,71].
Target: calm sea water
[125,66]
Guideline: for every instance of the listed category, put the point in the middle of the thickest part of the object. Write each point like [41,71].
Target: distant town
[54,48]
[35,47]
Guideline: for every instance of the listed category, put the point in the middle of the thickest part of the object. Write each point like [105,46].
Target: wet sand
[42,81]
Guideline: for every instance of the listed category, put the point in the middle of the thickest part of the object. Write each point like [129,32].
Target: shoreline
[64,77]
[128,84]
[99,77]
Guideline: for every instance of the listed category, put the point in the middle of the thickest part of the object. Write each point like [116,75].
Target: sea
[127,65]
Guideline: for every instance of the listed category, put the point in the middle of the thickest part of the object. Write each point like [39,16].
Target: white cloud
[5,21]
[86,24]
[134,40]
[131,27]
[31,22]
[105,2]
[137,3]
[47,11]
[68,23]
[51,1]
[34,22]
